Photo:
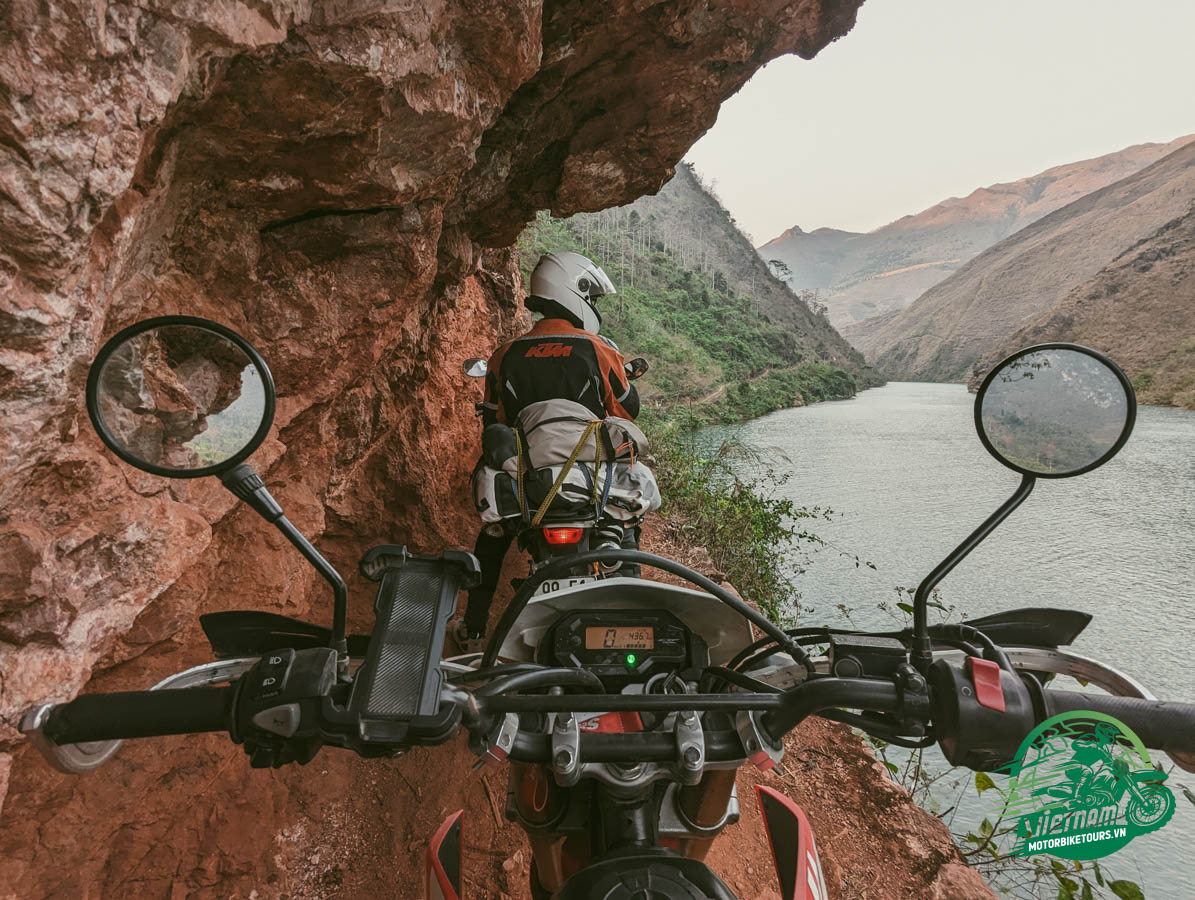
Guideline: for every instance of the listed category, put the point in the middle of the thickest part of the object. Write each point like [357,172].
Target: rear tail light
[559,536]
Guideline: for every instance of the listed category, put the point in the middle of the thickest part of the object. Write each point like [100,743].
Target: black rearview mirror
[180,396]
[636,368]
[1055,410]
[475,367]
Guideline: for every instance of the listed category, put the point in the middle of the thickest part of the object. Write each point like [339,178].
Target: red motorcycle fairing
[443,874]
[794,852]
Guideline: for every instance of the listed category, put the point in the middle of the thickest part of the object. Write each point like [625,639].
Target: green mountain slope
[726,340]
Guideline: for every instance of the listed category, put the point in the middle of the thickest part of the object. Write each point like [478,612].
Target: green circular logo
[1082,787]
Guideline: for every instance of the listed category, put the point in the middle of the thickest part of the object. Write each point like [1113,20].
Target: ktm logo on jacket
[550,349]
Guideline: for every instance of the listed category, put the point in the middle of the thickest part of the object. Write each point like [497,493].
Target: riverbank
[751,398]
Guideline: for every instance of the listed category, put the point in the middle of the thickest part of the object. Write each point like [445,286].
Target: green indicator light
[630,659]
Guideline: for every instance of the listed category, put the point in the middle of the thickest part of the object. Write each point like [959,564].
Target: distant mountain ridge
[1116,266]
[1139,309]
[861,275]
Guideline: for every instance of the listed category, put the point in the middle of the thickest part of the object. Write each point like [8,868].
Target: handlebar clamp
[761,751]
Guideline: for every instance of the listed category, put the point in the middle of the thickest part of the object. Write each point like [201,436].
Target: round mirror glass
[1055,410]
[475,367]
[180,396]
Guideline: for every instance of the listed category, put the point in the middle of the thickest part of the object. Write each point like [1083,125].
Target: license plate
[552,585]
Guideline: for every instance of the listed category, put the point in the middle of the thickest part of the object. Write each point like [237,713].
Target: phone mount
[396,693]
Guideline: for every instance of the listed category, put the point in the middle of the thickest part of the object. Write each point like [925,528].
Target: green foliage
[778,389]
[746,532]
[708,346]
[1126,890]
[983,782]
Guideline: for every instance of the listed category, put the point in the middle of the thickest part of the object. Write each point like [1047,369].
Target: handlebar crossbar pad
[396,692]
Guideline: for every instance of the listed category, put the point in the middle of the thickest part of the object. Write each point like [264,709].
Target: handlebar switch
[973,733]
[268,678]
[277,707]
[985,675]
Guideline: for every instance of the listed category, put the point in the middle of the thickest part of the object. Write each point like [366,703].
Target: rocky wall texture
[324,178]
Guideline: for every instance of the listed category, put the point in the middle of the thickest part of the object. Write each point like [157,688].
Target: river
[908,479]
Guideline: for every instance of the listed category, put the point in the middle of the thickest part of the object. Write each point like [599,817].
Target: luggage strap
[591,430]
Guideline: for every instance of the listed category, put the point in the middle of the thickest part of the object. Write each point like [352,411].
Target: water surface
[905,473]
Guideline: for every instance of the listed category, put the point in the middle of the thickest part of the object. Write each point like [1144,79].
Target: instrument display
[624,637]
[622,646]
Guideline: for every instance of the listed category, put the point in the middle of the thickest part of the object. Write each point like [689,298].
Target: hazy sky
[928,99]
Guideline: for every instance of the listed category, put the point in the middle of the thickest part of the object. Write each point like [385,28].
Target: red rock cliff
[323,177]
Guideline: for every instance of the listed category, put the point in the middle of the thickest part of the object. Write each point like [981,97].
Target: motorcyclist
[1092,753]
[562,357]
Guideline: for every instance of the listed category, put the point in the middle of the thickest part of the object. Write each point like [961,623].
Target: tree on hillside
[814,301]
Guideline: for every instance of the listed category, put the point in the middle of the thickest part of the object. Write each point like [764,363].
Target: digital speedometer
[623,645]
[620,638]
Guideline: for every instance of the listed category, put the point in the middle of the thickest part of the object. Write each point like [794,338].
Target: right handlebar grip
[137,714]
[1161,724]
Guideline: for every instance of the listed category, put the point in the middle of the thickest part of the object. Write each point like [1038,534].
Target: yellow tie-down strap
[591,430]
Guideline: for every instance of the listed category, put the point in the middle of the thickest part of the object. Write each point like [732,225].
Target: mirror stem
[922,646]
[247,485]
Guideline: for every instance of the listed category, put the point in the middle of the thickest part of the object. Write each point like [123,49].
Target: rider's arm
[491,404]
[618,393]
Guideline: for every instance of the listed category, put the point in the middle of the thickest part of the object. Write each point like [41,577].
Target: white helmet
[568,285]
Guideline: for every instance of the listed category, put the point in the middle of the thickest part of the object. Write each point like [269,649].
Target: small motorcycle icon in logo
[1084,787]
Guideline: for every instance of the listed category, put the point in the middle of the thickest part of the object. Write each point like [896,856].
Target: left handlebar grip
[138,714]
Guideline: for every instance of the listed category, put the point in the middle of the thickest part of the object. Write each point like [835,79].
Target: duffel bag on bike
[623,491]
[555,431]
[633,492]
[495,494]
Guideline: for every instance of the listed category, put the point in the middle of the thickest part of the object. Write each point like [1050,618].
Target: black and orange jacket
[555,360]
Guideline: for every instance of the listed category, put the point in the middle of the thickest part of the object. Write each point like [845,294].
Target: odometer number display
[620,637]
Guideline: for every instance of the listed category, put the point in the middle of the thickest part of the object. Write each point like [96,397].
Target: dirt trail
[716,393]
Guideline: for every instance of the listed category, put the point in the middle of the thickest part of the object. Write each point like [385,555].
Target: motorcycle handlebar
[812,697]
[1161,724]
[138,714]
